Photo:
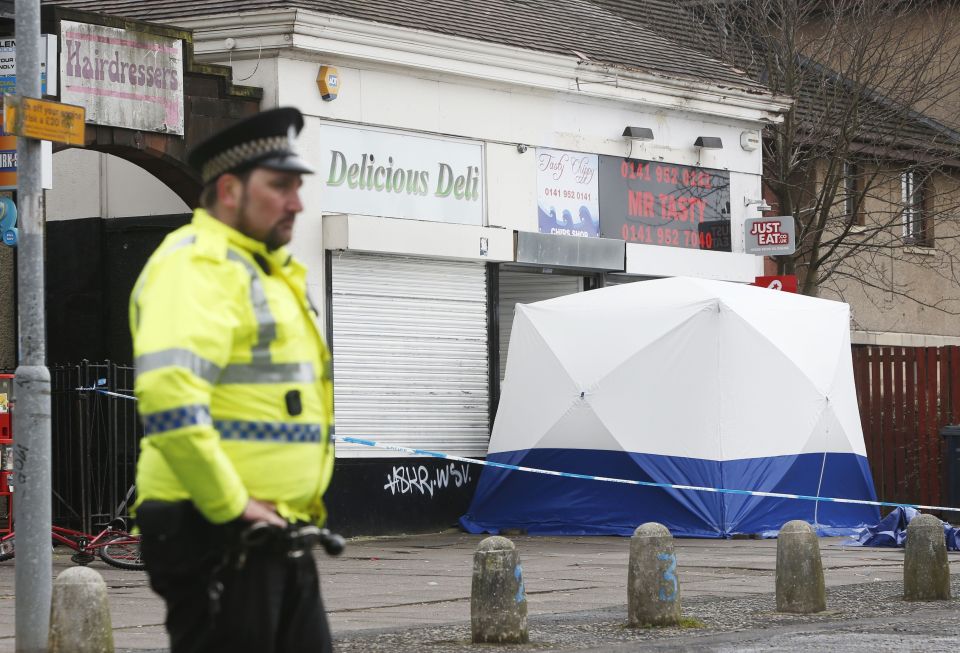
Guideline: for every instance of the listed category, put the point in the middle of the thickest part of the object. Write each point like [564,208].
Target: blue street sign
[8,221]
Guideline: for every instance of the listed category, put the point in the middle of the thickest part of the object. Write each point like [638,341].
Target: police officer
[237,405]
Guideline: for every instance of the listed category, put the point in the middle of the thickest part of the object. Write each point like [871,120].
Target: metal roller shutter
[525,288]
[410,353]
[620,279]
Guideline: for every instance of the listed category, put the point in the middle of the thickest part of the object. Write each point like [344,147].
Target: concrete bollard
[498,602]
[79,613]
[800,586]
[653,589]
[926,572]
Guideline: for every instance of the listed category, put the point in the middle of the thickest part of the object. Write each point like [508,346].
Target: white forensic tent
[680,381]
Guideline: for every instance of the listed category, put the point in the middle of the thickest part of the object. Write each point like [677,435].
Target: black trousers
[267,602]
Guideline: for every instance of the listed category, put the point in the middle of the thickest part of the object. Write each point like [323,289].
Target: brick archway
[211,102]
[87,304]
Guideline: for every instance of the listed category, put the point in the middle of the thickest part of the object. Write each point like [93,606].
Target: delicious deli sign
[393,175]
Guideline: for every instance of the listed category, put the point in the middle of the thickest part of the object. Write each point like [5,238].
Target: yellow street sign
[43,119]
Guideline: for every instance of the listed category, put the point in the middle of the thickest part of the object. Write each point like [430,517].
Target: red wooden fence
[906,394]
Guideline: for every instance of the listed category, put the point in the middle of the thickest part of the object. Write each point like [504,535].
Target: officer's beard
[273,239]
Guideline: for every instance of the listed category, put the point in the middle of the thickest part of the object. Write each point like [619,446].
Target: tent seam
[724,526]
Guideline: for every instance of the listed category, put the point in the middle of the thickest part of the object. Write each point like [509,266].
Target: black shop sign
[664,204]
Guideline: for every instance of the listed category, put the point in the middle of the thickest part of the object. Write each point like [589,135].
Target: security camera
[521,148]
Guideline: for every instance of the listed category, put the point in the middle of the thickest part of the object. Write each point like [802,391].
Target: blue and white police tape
[107,393]
[627,481]
[605,479]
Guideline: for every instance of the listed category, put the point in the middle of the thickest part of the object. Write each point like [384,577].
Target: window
[917,224]
[852,193]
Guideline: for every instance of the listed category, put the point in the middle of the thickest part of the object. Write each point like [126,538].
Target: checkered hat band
[237,155]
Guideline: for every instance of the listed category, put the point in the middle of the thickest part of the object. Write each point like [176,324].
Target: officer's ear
[230,191]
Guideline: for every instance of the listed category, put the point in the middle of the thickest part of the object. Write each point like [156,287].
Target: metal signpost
[31,414]
[32,510]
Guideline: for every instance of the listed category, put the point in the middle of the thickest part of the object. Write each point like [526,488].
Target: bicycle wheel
[7,547]
[122,552]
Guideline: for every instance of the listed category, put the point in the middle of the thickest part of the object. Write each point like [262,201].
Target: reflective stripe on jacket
[232,376]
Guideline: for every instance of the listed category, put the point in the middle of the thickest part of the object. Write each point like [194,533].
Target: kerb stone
[926,571]
[498,600]
[79,613]
[653,586]
[800,584]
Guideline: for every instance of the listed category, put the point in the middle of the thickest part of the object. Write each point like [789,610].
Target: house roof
[649,36]
[824,97]
[657,37]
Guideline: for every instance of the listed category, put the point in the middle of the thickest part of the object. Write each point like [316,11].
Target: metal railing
[96,440]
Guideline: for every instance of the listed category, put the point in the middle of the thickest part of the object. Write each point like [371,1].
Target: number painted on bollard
[518,574]
[669,575]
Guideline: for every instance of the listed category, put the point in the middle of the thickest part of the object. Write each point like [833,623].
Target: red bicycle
[113,544]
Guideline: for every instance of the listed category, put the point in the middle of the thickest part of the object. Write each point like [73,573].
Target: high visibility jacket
[232,376]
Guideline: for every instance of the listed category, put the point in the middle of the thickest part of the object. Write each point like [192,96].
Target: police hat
[265,140]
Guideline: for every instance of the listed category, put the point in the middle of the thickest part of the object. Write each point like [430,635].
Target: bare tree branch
[859,162]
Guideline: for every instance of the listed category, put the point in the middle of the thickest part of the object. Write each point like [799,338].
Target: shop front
[421,290]
[408,271]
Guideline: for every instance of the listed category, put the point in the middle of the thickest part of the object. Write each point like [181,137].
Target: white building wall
[307,244]
[497,113]
[260,71]
[511,186]
[512,122]
[76,186]
[88,184]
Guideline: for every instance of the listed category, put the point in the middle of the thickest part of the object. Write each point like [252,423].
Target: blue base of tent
[552,505]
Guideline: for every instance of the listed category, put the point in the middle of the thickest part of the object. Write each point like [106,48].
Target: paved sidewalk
[412,593]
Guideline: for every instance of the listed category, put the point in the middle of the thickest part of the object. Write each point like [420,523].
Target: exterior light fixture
[761,204]
[638,133]
[708,143]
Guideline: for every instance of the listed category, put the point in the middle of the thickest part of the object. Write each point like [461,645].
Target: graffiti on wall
[418,479]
